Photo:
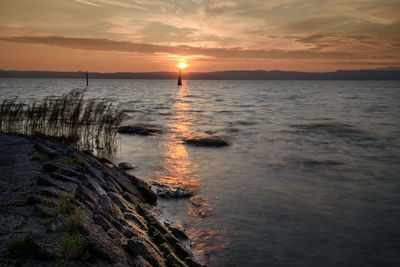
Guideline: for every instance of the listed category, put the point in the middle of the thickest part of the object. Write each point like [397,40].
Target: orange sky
[153,35]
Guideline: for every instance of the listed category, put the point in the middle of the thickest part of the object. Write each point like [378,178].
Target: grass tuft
[70,160]
[64,205]
[38,158]
[73,246]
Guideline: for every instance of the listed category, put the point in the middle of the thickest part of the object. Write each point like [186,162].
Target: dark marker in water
[179,78]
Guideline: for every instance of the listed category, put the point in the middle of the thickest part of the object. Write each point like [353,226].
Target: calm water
[311,178]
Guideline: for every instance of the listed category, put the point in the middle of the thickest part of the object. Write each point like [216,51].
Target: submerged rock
[126,165]
[170,190]
[315,162]
[328,127]
[140,129]
[206,141]
[176,231]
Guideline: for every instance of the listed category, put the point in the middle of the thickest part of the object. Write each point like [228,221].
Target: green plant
[26,247]
[37,158]
[19,245]
[73,246]
[69,160]
[72,222]
[64,205]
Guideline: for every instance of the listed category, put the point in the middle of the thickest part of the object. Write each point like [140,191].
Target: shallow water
[311,178]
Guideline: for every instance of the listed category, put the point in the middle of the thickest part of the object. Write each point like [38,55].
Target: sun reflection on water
[178,167]
[179,170]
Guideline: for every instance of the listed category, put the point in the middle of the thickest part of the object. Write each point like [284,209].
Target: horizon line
[204,72]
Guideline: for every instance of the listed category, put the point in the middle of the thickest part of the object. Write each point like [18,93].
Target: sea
[311,176]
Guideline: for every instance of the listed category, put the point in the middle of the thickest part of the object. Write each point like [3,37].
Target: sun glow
[182,65]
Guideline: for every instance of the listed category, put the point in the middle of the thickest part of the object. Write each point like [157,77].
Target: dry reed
[69,119]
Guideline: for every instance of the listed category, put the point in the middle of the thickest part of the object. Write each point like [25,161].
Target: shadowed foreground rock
[60,206]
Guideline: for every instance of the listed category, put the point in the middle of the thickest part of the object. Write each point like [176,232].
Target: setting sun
[182,65]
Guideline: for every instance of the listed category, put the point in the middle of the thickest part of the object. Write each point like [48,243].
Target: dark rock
[155,223]
[170,238]
[172,190]
[178,233]
[126,166]
[110,187]
[136,218]
[100,220]
[328,127]
[86,195]
[101,243]
[58,222]
[191,262]
[116,224]
[181,251]
[140,262]
[109,207]
[172,260]
[206,141]
[231,129]
[49,192]
[140,129]
[104,160]
[42,148]
[44,211]
[313,162]
[119,201]
[143,188]
[126,184]
[50,167]
[197,201]
[45,201]
[68,187]
[158,237]
[117,237]
[27,247]
[92,184]
[64,178]
[132,199]
[136,247]
[129,232]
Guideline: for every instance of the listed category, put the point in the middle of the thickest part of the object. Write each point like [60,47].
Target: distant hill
[218,75]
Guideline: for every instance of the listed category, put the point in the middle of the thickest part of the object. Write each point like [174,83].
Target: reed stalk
[69,119]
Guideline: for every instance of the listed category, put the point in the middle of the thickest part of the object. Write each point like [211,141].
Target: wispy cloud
[87,2]
[181,50]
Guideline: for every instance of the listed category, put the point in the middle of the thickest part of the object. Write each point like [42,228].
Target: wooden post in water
[87,79]
[179,78]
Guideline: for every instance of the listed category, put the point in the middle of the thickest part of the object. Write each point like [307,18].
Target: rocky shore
[64,207]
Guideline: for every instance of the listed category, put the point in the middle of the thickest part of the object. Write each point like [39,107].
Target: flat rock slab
[126,166]
[206,141]
[167,190]
[140,129]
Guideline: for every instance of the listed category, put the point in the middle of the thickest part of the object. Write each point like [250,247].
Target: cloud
[86,2]
[182,50]
[102,3]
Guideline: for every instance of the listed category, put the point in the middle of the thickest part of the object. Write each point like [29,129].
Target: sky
[209,35]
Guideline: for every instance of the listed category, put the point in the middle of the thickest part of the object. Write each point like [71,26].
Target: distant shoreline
[217,75]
